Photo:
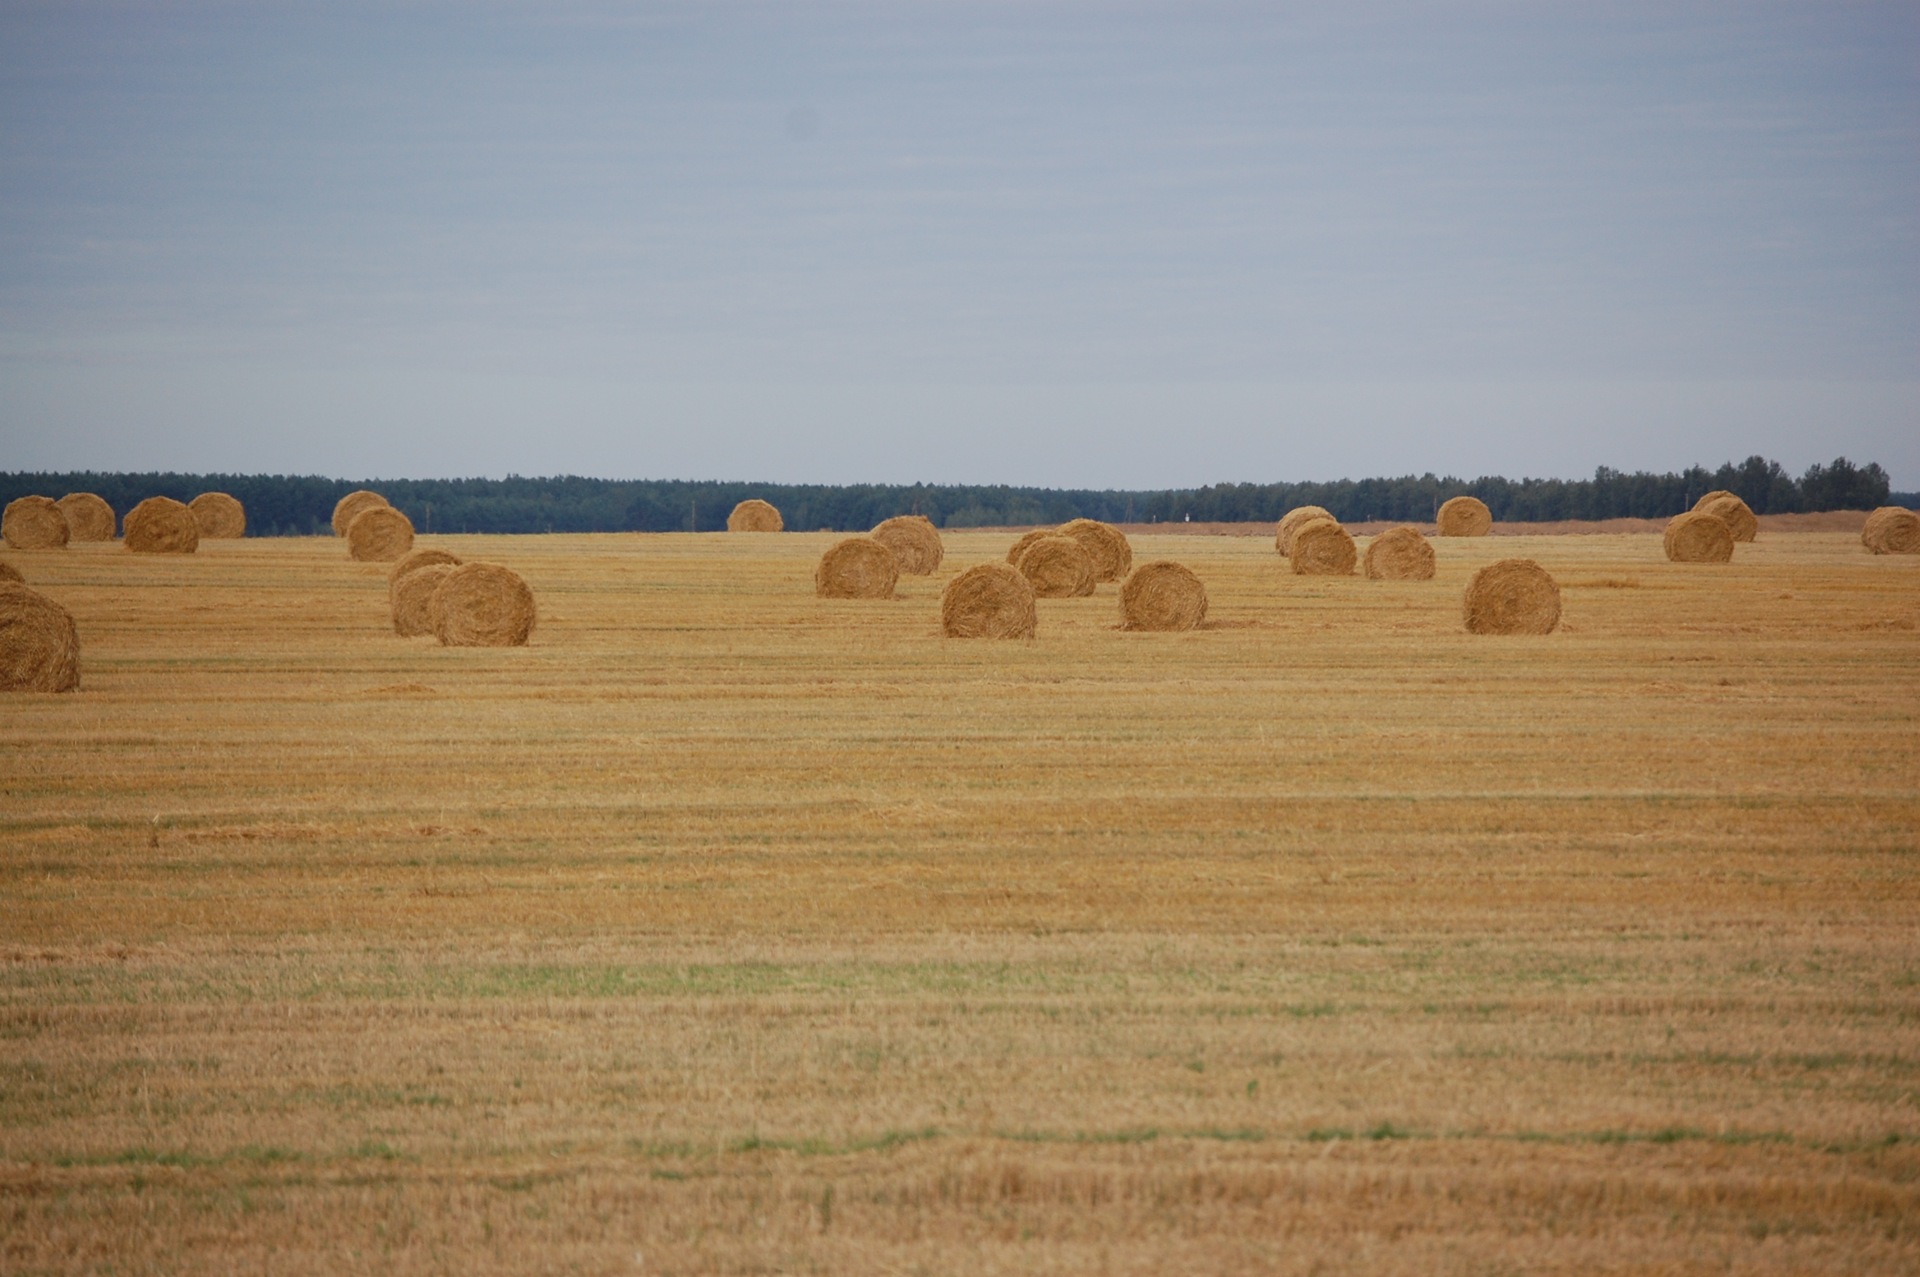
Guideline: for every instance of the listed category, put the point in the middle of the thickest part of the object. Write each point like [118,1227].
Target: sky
[1052,242]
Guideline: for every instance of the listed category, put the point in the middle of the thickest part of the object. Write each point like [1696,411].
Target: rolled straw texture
[857,568]
[1057,567]
[351,505]
[1706,497]
[481,605]
[755,515]
[1733,512]
[1291,520]
[1112,555]
[221,517]
[988,600]
[1513,596]
[1162,595]
[161,525]
[34,523]
[1464,517]
[1026,539]
[379,534]
[415,559]
[914,540]
[1321,547]
[39,646]
[1892,529]
[411,597]
[8,572]
[1399,554]
[89,517]
[1698,537]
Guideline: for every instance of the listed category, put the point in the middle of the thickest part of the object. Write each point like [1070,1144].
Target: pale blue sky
[1077,244]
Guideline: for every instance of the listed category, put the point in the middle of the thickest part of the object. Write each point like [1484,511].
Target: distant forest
[300,505]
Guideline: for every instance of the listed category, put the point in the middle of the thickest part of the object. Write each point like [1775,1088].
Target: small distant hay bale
[1026,539]
[1513,596]
[1057,567]
[1112,555]
[350,506]
[1321,547]
[1399,554]
[755,515]
[481,605]
[161,525]
[89,517]
[988,600]
[413,560]
[1733,512]
[1464,516]
[8,572]
[1291,521]
[379,534]
[1698,537]
[1162,595]
[1892,529]
[914,540]
[857,568]
[221,517]
[411,596]
[39,645]
[34,523]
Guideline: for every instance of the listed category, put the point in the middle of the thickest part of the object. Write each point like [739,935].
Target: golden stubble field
[727,929]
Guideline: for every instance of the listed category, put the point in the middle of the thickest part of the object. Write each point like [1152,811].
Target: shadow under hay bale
[1162,595]
[1733,512]
[89,517]
[857,568]
[1290,523]
[1892,529]
[1112,554]
[1698,537]
[379,534]
[351,506]
[755,515]
[481,605]
[1321,547]
[914,540]
[411,598]
[221,517]
[1057,567]
[34,523]
[1463,516]
[1513,596]
[1026,539]
[161,525]
[988,600]
[39,645]
[1399,554]
[413,560]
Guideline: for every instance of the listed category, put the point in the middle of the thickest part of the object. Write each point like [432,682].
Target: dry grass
[745,931]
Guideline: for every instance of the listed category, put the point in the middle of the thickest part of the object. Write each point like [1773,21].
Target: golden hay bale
[1715,495]
[379,534]
[350,506]
[411,597]
[221,517]
[34,523]
[1057,567]
[1027,539]
[914,540]
[857,568]
[413,560]
[1464,517]
[89,517]
[8,572]
[1733,512]
[161,525]
[481,605]
[1291,520]
[1321,547]
[1399,554]
[755,515]
[1698,537]
[39,646]
[988,600]
[1162,595]
[1112,556]
[1513,596]
[1892,529]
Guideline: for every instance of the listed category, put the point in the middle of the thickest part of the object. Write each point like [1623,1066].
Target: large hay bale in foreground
[1321,547]
[161,525]
[1892,529]
[1733,512]
[89,517]
[1026,539]
[1162,595]
[755,515]
[8,572]
[34,523]
[39,646]
[914,540]
[413,560]
[1112,555]
[1399,554]
[1698,537]
[1290,523]
[857,568]
[1513,596]
[1058,567]
[221,517]
[379,534]
[1463,516]
[411,598]
[988,600]
[481,605]
[349,507]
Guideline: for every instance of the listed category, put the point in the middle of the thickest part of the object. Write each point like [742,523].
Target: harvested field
[727,928]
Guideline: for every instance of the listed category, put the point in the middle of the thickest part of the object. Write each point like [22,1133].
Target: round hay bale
[1027,539]
[988,600]
[351,505]
[1399,554]
[1057,567]
[221,517]
[1464,517]
[857,568]
[8,572]
[415,559]
[1112,556]
[1698,537]
[34,523]
[1715,495]
[379,534]
[39,646]
[161,525]
[1321,547]
[1291,520]
[481,605]
[89,517]
[1733,512]
[755,515]
[1513,596]
[1892,529]
[914,540]
[411,597]
[1162,595]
